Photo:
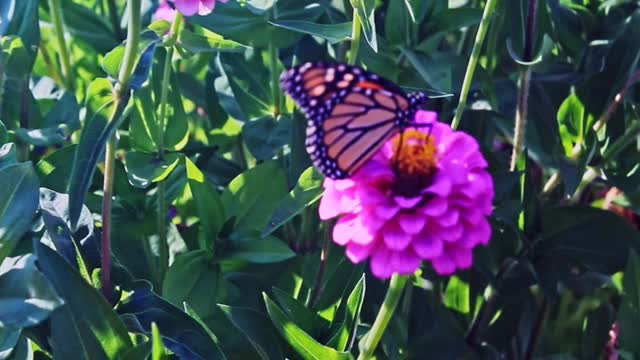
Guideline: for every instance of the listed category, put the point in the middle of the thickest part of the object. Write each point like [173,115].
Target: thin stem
[356,32]
[52,71]
[534,339]
[58,28]
[121,93]
[473,61]
[521,118]
[115,19]
[318,287]
[530,30]
[617,100]
[370,342]
[131,47]
[275,83]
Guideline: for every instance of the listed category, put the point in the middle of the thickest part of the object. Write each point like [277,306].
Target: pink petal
[456,172]
[435,207]
[345,229]
[329,204]
[461,257]
[206,7]
[443,265]
[358,253]
[425,117]
[452,234]
[441,186]
[386,212]
[411,223]
[344,184]
[427,246]
[404,262]
[394,237]
[448,219]
[187,7]
[407,203]
[380,263]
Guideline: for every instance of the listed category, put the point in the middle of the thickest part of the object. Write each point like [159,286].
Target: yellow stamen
[418,154]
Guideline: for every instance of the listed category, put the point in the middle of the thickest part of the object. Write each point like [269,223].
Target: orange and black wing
[351,113]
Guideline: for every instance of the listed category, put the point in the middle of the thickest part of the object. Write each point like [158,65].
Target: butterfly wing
[351,113]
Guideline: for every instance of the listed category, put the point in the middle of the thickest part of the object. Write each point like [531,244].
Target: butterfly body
[350,112]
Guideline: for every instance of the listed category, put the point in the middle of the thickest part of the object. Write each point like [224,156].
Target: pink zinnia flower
[191,7]
[429,202]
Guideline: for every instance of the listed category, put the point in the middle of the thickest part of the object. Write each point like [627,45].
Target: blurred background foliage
[215,236]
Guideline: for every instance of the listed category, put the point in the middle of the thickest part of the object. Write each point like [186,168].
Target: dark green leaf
[26,297]
[23,22]
[144,168]
[257,328]
[257,250]
[157,352]
[209,205]
[345,334]
[196,317]
[305,345]
[18,204]
[73,340]
[60,122]
[333,33]
[209,42]
[366,12]
[306,319]
[265,136]
[629,316]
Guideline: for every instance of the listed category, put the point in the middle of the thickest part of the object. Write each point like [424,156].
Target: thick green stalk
[275,82]
[122,97]
[55,8]
[473,61]
[370,342]
[521,118]
[356,32]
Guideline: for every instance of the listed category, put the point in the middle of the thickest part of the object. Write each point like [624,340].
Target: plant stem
[275,83]
[370,341]
[318,287]
[58,28]
[521,118]
[630,135]
[534,339]
[115,19]
[617,100]
[121,94]
[473,61]
[356,32]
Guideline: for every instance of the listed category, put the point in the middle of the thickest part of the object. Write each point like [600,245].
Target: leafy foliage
[216,250]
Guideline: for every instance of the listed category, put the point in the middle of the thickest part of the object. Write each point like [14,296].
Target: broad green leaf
[195,279]
[629,315]
[366,12]
[333,33]
[265,136]
[87,305]
[457,295]
[304,318]
[71,339]
[144,168]
[60,122]
[257,328]
[54,169]
[345,334]
[112,60]
[8,155]
[196,317]
[303,343]
[455,19]
[8,340]
[26,297]
[18,204]
[307,191]
[86,25]
[571,122]
[209,205]
[94,137]
[257,250]
[157,352]
[22,21]
[3,133]
[208,42]
[251,199]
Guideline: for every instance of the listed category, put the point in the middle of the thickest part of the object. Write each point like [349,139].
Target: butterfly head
[417,99]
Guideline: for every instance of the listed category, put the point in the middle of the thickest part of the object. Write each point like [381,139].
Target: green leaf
[54,169]
[94,137]
[60,122]
[455,19]
[195,279]
[8,340]
[209,42]
[18,204]
[26,297]
[257,328]
[251,199]
[3,133]
[457,295]
[345,334]
[214,338]
[333,33]
[112,60]
[265,136]
[86,25]
[73,340]
[144,169]
[629,316]
[157,351]
[87,305]
[366,12]
[208,203]
[304,318]
[571,122]
[258,250]
[308,190]
[23,22]
[303,343]
[8,155]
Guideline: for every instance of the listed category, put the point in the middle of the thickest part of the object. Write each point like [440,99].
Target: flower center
[415,161]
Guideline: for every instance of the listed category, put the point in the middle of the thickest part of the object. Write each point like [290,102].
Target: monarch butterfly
[350,112]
